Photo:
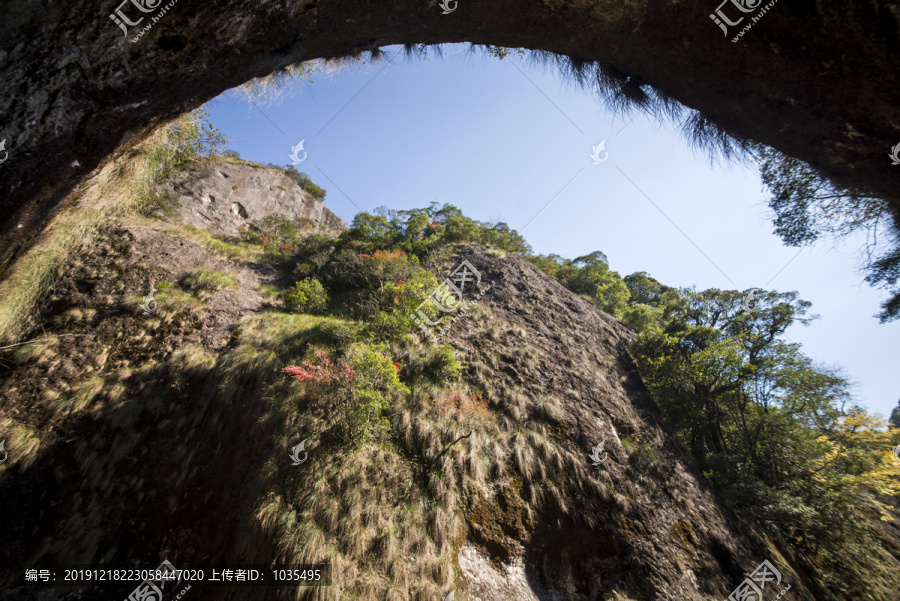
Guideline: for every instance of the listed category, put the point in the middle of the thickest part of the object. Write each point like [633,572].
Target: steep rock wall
[224,197]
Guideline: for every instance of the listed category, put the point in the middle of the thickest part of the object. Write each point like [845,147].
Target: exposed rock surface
[225,196]
[129,489]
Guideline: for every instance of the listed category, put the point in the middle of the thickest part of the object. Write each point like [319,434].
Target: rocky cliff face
[226,196]
[137,438]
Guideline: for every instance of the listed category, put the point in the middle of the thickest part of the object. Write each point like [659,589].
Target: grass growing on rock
[82,396]
[169,303]
[234,250]
[209,280]
[22,446]
[39,349]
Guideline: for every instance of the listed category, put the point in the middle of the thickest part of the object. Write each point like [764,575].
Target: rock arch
[819,83]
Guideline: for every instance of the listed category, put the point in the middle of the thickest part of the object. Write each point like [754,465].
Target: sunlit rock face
[819,81]
[223,198]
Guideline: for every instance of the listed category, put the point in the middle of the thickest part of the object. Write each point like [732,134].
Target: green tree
[193,137]
[595,280]
[645,289]
[808,206]
[895,416]
[307,296]
[278,228]
[643,318]
[302,180]
[768,427]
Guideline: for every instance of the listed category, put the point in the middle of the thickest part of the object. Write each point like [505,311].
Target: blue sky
[510,141]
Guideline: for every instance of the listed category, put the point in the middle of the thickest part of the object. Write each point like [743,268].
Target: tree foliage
[307,296]
[895,416]
[770,429]
[775,433]
[807,207]
[193,137]
[302,180]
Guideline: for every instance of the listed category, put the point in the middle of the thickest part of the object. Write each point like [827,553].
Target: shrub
[390,325]
[307,296]
[276,229]
[302,180]
[193,137]
[395,304]
[377,381]
[438,364]
[443,367]
[353,395]
[161,202]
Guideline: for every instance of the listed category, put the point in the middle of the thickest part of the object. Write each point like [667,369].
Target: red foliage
[395,254]
[323,376]
[434,226]
[396,365]
[465,406]
[287,247]
[388,256]
[265,239]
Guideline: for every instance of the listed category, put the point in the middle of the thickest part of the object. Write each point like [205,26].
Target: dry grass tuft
[209,280]
[39,349]
[73,315]
[234,252]
[22,446]
[81,397]
[170,303]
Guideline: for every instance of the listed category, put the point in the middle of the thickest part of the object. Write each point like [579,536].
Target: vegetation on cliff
[420,448]
[776,434]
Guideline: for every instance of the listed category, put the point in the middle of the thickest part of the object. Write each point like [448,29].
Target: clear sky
[511,141]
